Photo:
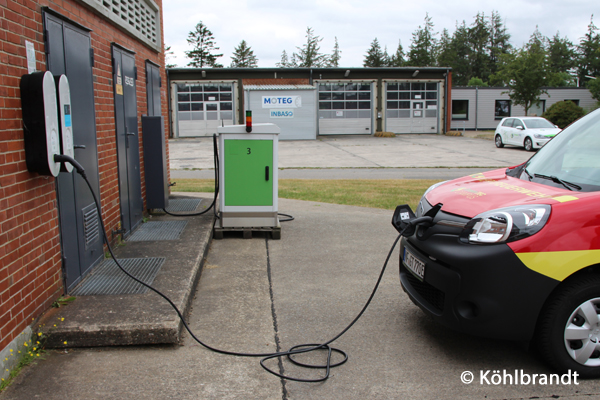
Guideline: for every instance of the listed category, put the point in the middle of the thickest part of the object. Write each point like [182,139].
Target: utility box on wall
[155,162]
[248,176]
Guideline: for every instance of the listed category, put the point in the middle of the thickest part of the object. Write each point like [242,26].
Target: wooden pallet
[275,231]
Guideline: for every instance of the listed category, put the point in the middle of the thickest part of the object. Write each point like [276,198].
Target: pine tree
[375,57]
[498,42]
[243,57]
[202,40]
[397,59]
[423,46]
[334,60]
[308,55]
[168,56]
[284,62]
[561,59]
[479,35]
[589,53]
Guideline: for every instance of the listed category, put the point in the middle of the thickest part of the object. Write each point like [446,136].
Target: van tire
[564,308]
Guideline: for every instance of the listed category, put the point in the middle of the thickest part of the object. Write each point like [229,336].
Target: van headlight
[506,224]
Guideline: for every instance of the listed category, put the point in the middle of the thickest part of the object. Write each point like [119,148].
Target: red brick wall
[30,255]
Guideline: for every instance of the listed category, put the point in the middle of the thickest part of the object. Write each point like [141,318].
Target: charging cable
[298,349]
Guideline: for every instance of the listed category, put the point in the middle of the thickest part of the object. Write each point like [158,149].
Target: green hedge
[563,113]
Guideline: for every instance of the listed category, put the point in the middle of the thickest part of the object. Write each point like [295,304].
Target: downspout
[476,105]
[446,108]
[310,77]
[169,119]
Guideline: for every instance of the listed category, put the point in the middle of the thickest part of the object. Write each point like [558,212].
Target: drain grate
[107,278]
[181,205]
[158,230]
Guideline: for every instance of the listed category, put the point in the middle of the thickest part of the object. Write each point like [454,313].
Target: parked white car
[528,132]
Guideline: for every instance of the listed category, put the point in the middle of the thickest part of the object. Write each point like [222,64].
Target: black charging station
[40,123]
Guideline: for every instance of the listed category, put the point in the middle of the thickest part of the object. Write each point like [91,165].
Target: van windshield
[570,160]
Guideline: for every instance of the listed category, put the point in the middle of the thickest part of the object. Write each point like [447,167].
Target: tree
[594,86]
[168,56]
[589,53]
[243,57]
[423,46]
[477,82]
[397,59]
[308,55]
[202,40]
[334,60]
[562,58]
[479,35]
[498,41]
[456,53]
[284,62]
[525,73]
[375,57]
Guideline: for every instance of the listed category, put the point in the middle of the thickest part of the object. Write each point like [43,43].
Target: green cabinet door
[248,172]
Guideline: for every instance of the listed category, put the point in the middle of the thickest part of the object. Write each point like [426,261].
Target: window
[508,123]
[460,109]
[424,93]
[502,109]
[536,110]
[193,99]
[574,101]
[345,100]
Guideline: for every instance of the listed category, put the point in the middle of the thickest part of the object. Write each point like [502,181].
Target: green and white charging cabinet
[248,176]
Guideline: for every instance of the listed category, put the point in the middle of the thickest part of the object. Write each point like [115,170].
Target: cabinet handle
[267,173]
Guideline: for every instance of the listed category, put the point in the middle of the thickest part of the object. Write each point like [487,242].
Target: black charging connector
[63,158]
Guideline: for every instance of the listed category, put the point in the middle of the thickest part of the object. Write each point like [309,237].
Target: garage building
[307,102]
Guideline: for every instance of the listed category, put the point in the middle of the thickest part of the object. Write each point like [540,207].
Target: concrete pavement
[257,295]
[403,151]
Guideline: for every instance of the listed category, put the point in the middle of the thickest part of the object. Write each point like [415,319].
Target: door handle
[79,146]
[130,133]
[267,173]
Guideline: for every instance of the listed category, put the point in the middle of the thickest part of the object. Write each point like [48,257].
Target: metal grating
[158,230]
[182,205]
[108,279]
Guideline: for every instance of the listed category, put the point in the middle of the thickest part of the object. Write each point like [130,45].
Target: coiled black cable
[298,349]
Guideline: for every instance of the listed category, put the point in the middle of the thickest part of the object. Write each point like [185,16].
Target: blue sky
[270,27]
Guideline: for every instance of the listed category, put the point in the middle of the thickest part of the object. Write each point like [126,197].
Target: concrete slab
[136,319]
[320,274]
[402,151]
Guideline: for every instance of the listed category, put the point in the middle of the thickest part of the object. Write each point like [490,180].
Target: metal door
[153,84]
[69,51]
[418,113]
[128,144]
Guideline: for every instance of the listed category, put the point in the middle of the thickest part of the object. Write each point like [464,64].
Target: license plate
[415,265]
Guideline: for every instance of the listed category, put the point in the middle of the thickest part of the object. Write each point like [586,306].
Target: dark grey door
[69,52]
[153,85]
[128,144]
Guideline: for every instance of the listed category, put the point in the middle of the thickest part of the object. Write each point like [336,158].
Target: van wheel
[568,331]
[528,144]
[498,141]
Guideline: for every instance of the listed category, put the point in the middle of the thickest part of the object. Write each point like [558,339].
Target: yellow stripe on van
[559,264]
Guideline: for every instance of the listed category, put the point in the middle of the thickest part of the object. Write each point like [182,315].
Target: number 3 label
[249,151]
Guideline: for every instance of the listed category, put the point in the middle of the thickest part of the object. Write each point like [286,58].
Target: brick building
[111,52]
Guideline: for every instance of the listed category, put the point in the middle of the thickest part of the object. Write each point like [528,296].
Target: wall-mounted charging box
[40,122]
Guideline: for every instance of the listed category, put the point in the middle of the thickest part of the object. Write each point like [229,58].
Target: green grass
[373,193]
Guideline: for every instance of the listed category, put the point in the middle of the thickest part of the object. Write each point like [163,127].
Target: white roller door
[345,108]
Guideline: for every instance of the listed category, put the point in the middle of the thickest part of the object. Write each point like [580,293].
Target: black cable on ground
[299,349]
[289,217]
[214,202]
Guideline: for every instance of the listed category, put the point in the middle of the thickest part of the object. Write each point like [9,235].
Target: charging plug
[72,161]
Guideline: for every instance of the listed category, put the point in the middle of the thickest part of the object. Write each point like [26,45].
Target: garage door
[345,108]
[202,107]
[412,107]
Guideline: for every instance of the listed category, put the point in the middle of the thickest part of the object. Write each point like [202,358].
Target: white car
[528,132]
